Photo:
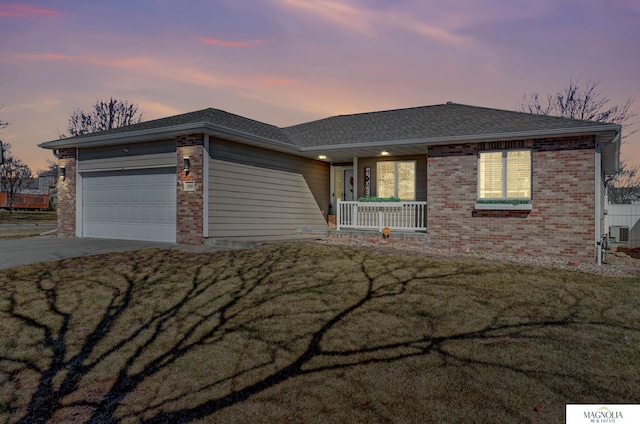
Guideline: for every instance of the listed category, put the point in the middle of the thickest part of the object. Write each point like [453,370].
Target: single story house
[466,177]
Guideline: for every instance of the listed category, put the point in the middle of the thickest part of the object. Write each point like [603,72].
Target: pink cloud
[44,56]
[24,11]
[341,14]
[223,43]
[112,62]
[277,81]
[372,23]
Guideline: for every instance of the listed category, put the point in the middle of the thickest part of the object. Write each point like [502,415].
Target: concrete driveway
[33,250]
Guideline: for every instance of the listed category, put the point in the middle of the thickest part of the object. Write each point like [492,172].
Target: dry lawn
[18,233]
[28,217]
[43,221]
[309,333]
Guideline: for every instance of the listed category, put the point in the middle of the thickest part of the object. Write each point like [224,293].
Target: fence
[408,216]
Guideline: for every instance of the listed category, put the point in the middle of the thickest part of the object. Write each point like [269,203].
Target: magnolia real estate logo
[599,414]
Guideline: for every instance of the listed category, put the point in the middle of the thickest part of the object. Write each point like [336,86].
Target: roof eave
[468,138]
[164,133]
[610,152]
[123,137]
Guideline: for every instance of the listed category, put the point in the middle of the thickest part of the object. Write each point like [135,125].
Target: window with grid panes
[504,175]
[397,179]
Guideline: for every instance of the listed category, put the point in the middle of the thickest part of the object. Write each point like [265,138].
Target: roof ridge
[521,112]
[448,103]
[364,113]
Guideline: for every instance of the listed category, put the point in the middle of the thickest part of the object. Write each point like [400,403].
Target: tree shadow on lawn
[303,332]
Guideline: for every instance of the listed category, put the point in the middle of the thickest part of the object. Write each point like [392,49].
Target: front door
[342,185]
[347,185]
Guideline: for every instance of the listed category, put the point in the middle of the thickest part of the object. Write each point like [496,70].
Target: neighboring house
[46,182]
[622,223]
[468,178]
[623,195]
[30,186]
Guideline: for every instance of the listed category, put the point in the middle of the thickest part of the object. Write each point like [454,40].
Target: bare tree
[584,101]
[581,101]
[14,175]
[3,123]
[624,187]
[103,116]
[51,169]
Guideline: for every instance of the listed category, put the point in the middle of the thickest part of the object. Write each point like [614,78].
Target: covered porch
[385,190]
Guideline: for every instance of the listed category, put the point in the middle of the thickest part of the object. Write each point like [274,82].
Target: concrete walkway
[33,250]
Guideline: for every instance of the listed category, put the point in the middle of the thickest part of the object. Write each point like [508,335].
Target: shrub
[504,201]
[379,199]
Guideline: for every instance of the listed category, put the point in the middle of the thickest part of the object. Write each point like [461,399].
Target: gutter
[206,127]
[598,192]
[161,133]
[466,138]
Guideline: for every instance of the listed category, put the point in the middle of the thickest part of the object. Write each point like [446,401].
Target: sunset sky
[290,61]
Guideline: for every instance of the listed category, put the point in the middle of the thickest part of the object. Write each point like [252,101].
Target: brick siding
[67,194]
[562,219]
[190,206]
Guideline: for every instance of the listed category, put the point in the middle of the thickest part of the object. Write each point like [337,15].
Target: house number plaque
[189,186]
[367,181]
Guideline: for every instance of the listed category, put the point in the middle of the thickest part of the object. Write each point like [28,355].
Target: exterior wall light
[63,173]
[384,153]
[322,157]
[186,164]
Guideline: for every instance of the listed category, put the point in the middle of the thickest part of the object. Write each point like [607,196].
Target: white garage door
[130,205]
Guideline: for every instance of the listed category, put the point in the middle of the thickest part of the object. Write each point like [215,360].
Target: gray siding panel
[252,201]
[315,173]
[131,156]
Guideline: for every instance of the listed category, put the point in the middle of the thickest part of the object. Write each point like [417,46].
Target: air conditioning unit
[619,234]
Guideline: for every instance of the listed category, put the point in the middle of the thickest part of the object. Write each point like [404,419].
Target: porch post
[332,189]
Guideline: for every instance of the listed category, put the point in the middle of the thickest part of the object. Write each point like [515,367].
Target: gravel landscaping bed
[617,263]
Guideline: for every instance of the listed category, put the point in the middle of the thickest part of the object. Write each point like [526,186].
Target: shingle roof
[204,116]
[426,122]
[444,121]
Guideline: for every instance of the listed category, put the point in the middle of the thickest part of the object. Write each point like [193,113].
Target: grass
[45,220]
[309,333]
[28,217]
[18,233]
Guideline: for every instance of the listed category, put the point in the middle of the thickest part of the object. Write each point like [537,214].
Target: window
[504,175]
[397,179]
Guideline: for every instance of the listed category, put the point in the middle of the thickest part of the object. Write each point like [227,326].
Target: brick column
[190,207]
[67,193]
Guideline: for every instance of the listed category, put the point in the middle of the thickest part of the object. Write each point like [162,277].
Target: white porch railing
[408,216]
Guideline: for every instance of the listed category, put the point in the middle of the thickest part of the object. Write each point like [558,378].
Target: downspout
[79,199]
[205,186]
[598,196]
